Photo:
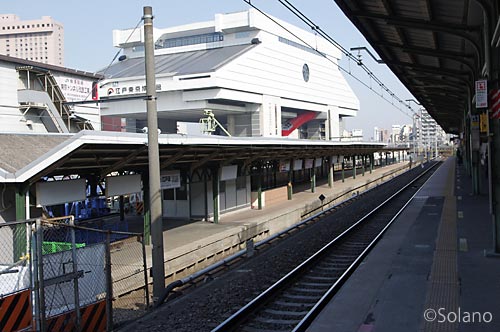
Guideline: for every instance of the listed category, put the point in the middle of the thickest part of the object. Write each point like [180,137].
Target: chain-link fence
[77,278]
[128,261]
[14,258]
[15,276]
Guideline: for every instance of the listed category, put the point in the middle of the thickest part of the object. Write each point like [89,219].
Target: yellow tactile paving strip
[443,288]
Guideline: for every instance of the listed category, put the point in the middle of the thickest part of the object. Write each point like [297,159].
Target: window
[241,182]
[168,194]
[299,46]
[181,194]
[190,40]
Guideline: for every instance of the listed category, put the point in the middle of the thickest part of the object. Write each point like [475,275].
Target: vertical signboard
[481,94]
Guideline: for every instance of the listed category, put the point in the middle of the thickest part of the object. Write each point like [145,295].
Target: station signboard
[481,94]
[170,179]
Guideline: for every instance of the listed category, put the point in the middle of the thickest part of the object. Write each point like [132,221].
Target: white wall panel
[228,172]
[58,192]
[122,185]
[197,190]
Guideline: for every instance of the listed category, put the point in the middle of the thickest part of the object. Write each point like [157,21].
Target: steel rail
[231,323]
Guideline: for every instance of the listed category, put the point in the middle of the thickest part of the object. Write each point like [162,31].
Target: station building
[259,77]
[35,98]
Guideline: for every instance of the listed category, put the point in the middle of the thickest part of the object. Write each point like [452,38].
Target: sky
[88,27]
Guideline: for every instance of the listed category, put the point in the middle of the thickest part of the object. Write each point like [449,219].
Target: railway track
[294,301]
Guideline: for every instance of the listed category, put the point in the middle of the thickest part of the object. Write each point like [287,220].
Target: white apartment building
[40,40]
[428,132]
[256,77]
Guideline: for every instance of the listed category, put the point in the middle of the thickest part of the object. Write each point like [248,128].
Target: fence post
[34,278]
[75,272]
[145,263]
[109,285]
[39,282]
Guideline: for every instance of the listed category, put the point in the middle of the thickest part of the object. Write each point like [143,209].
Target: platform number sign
[481,94]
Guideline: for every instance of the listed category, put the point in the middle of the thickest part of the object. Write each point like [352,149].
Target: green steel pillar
[343,171]
[372,160]
[215,193]
[495,178]
[259,187]
[475,154]
[363,160]
[20,204]
[19,232]
[147,214]
[467,152]
[331,173]
[312,173]
[354,166]
[386,158]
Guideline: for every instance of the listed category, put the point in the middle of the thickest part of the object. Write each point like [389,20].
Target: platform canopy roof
[100,153]
[433,47]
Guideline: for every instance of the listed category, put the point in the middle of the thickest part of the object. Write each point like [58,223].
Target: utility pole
[158,267]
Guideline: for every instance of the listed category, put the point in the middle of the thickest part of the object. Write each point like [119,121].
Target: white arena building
[257,77]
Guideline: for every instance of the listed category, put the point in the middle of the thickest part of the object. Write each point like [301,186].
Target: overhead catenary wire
[344,51]
[103,73]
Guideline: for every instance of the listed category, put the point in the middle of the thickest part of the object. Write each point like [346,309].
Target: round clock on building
[305,72]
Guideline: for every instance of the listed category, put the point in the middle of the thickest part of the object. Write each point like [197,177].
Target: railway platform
[432,271]
[192,245]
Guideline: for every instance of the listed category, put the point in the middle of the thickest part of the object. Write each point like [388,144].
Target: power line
[345,51]
[287,4]
[114,58]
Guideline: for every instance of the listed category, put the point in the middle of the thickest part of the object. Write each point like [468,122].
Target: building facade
[36,97]
[40,40]
[255,77]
